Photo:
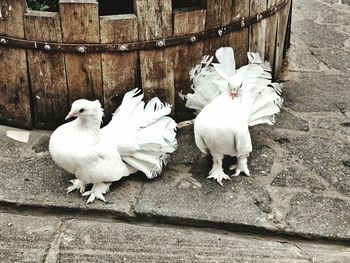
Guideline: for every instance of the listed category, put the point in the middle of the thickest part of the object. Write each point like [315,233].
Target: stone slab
[300,57]
[182,196]
[320,12]
[306,10]
[315,92]
[184,193]
[334,58]
[287,120]
[330,1]
[324,156]
[320,215]
[319,36]
[338,18]
[30,178]
[48,239]
[297,178]
[109,242]
[186,153]
[26,238]
[332,122]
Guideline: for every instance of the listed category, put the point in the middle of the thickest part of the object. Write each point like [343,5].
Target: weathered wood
[186,56]
[281,34]
[47,70]
[258,30]
[239,41]
[57,79]
[120,71]
[80,24]
[157,75]
[14,85]
[288,31]
[157,66]
[270,39]
[218,14]
[154,18]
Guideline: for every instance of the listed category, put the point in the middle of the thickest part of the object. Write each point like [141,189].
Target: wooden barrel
[50,59]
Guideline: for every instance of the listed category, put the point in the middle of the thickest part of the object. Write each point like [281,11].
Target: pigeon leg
[76,185]
[216,172]
[97,191]
[241,166]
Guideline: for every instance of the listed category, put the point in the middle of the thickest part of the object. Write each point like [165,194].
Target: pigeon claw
[240,167]
[219,176]
[239,170]
[97,191]
[76,185]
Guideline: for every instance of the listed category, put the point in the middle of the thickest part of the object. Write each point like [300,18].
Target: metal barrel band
[144,45]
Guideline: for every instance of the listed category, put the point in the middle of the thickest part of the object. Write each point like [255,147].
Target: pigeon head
[86,109]
[235,82]
[230,86]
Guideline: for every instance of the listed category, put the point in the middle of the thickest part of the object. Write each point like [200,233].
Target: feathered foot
[218,176]
[97,191]
[76,185]
[216,172]
[241,166]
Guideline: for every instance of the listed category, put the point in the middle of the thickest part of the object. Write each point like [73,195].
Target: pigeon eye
[81,110]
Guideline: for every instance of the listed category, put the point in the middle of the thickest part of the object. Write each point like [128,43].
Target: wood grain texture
[186,56]
[157,75]
[157,66]
[281,34]
[258,30]
[219,13]
[80,24]
[270,37]
[120,70]
[154,18]
[15,106]
[239,40]
[47,70]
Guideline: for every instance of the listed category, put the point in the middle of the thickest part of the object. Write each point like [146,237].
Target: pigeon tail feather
[259,96]
[259,93]
[153,132]
[203,77]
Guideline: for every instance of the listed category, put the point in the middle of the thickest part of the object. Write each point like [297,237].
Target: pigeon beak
[70,115]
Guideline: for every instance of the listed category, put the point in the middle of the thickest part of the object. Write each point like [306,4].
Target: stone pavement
[295,206]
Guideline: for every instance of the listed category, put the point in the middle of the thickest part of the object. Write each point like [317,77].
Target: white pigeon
[138,138]
[228,102]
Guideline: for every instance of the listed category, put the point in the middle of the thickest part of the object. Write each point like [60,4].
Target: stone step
[52,239]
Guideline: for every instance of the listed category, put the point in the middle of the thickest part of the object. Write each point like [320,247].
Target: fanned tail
[263,96]
[226,67]
[148,134]
[258,95]
[155,142]
[203,77]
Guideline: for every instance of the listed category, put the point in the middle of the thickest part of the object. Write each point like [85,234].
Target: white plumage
[138,138]
[228,101]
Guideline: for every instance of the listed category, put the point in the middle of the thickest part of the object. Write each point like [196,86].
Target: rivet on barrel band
[160,43]
[242,23]
[81,49]
[239,22]
[122,47]
[47,47]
